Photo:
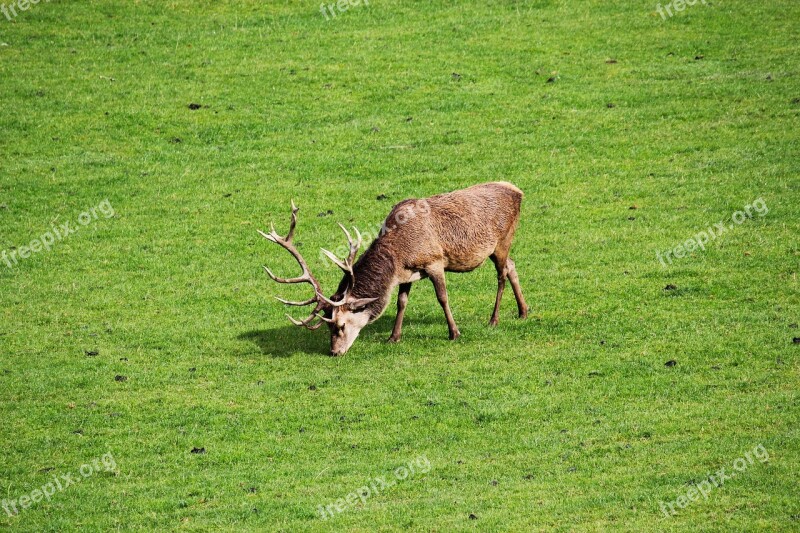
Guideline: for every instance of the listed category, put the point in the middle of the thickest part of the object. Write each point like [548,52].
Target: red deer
[451,232]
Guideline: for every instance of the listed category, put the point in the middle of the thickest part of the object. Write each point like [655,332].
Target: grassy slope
[572,413]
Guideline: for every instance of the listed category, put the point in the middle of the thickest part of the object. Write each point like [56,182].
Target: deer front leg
[402,301]
[437,277]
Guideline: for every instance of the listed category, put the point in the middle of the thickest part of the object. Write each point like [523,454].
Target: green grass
[569,420]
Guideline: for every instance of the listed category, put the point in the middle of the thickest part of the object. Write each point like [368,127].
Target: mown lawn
[151,334]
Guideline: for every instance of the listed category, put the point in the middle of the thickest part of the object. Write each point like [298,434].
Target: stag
[421,238]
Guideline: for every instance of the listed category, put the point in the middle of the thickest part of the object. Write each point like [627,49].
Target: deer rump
[421,238]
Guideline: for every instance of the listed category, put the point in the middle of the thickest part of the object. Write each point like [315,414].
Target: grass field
[147,345]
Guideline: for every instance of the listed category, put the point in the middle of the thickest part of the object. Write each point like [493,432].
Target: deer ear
[358,303]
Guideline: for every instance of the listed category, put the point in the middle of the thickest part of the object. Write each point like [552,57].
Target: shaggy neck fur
[374,272]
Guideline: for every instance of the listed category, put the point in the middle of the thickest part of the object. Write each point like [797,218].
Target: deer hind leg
[514,279]
[436,273]
[507,269]
[500,260]
[402,301]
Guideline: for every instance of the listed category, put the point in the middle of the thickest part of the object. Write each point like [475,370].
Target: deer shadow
[286,341]
[289,340]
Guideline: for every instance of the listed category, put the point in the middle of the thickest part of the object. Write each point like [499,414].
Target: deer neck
[375,278]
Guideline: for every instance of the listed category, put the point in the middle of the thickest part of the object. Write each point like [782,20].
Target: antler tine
[313,327]
[310,301]
[354,246]
[267,235]
[335,260]
[299,279]
[295,209]
[307,323]
[347,267]
[331,302]
[358,244]
[346,233]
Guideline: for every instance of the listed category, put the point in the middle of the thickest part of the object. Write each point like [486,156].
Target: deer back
[460,228]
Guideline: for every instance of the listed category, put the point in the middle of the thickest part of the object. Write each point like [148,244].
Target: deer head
[346,316]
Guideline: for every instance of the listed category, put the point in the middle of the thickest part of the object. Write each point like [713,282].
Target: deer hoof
[454,335]
[493,322]
[393,339]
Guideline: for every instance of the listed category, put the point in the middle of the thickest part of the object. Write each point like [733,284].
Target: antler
[306,277]
[347,265]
